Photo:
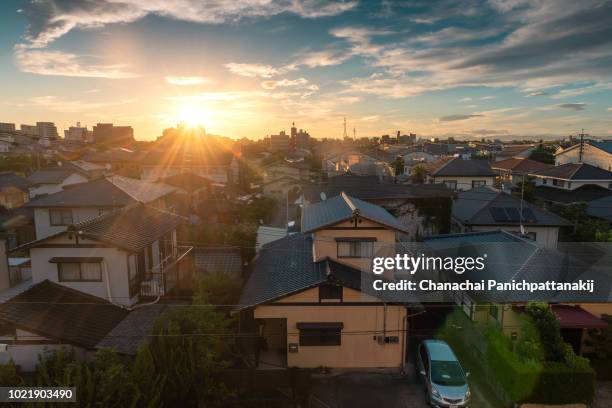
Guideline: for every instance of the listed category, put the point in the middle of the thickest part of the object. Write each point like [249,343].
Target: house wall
[570,185]
[463,183]
[325,244]
[590,155]
[115,262]
[12,197]
[547,236]
[357,349]
[43,225]
[42,189]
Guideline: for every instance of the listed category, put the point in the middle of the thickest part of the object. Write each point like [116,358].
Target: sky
[467,69]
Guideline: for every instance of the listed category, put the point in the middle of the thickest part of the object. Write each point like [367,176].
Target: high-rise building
[47,130]
[108,133]
[76,133]
[280,142]
[31,130]
[300,139]
[7,127]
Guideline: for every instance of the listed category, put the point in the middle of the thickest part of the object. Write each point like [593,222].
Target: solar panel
[498,214]
[528,215]
[513,214]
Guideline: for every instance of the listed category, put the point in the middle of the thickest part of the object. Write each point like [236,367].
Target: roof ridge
[347,199]
[446,163]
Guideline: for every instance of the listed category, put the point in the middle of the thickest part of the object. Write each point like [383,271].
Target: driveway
[372,388]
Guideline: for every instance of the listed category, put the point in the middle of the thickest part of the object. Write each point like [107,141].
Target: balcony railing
[163,278]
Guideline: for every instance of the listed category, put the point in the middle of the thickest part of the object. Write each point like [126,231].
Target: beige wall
[463,183]
[325,244]
[356,350]
[591,155]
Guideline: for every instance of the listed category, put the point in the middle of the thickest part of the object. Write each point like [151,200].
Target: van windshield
[447,373]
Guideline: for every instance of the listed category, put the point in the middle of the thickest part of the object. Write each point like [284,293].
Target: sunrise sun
[193,115]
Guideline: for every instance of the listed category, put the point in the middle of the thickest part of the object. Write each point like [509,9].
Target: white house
[598,154]
[571,176]
[459,174]
[55,212]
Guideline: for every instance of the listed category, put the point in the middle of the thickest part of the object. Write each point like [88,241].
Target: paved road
[367,389]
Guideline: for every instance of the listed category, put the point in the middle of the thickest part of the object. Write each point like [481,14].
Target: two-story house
[304,294]
[512,171]
[487,209]
[597,154]
[571,176]
[89,278]
[55,212]
[459,174]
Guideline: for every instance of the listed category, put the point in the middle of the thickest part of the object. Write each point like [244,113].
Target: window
[544,181]
[79,271]
[330,292]
[320,334]
[355,248]
[60,217]
[452,184]
[478,183]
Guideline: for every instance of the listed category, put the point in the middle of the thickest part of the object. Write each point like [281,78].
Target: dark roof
[575,317]
[187,181]
[225,260]
[520,165]
[9,179]
[57,312]
[112,191]
[131,332]
[601,208]
[576,171]
[285,267]
[487,206]
[132,227]
[114,155]
[460,167]
[584,193]
[377,191]
[509,257]
[437,149]
[342,208]
[605,145]
[50,176]
[347,179]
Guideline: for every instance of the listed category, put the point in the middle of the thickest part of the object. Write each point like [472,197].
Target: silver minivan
[444,378]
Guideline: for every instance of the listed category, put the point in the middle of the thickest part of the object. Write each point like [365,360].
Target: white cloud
[186,80]
[284,83]
[257,70]
[323,58]
[58,104]
[47,62]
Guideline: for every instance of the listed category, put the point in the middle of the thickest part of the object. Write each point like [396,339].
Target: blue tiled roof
[342,208]
[605,146]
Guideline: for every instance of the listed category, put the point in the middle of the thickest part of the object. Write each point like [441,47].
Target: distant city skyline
[466,69]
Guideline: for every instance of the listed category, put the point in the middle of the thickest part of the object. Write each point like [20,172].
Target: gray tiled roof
[113,191]
[50,176]
[576,171]
[224,260]
[131,332]
[9,179]
[57,312]
[473,207]
[342,208]
[460,167]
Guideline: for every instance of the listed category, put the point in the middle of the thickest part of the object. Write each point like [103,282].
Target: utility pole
[522,228]
[344,134]
[354,134]
[581,151]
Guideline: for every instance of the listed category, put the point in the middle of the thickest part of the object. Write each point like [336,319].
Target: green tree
[418,174]
[398,165]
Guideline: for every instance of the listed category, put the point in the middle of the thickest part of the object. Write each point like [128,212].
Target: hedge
[550,382]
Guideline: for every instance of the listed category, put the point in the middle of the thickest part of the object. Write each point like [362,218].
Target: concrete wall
[114,259]
[357,349]
[325,244]
[42,189]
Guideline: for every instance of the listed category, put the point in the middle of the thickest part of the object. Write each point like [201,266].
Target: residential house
[14,190]
[510,257]
[78,203]
[487,209]
[512,171]
[518,150]
[191,189]
[598,154]
[299,170]
[571,176]
[355,162]
[459,174]
[54,179]
[280,188]
[304,294]
[423,209]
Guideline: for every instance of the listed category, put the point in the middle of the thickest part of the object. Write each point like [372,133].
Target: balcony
[165,277]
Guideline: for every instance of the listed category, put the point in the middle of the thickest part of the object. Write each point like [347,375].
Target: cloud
[488,132]
[610,109]
[537,93]
[573,106]
[51,19]
[186,80]
[257,70]
[284,83]
[323,58]
[453,118]
[47,62]
[58,104]
[582,90]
